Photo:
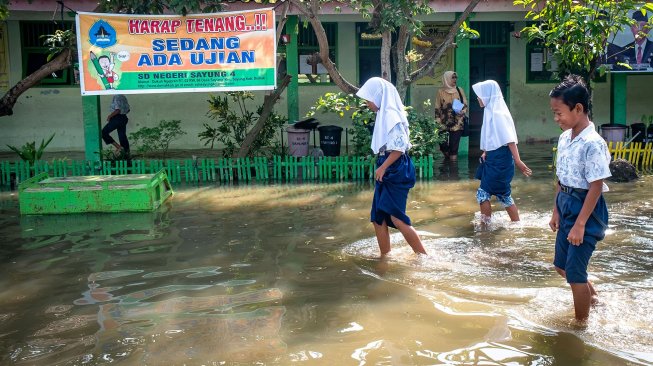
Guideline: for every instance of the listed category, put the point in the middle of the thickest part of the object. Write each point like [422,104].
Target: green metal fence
[278,168]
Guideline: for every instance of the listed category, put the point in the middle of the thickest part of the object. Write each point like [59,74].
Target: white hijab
[391,110]
[498,128]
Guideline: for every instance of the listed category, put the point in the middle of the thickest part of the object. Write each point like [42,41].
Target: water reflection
[270,274]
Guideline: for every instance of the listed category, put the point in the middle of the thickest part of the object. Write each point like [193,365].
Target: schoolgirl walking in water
[395,172]
[500,153]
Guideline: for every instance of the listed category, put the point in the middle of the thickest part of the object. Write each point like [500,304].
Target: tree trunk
[386,44]
[62,61]
[401,63]
[268,105]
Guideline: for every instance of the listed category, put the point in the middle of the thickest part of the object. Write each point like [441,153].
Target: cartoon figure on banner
[105,65]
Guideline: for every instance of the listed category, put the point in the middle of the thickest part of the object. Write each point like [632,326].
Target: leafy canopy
[578,32]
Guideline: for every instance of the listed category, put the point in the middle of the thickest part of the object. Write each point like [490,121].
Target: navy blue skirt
[390,196]
[497,171]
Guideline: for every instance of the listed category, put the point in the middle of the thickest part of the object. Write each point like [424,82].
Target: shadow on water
[276,274]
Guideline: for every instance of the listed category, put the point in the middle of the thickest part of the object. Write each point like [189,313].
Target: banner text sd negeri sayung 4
[158,54]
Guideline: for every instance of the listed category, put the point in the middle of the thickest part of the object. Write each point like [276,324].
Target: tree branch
[62,61]
[442,48]
[268,105]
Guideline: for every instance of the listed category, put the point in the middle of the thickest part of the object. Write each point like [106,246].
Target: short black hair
[639,16]
[572,90]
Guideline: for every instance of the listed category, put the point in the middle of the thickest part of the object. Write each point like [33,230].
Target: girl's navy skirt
[390,195]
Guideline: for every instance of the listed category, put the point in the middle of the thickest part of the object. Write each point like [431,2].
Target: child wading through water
[500,153]
[580,215]
[395,172]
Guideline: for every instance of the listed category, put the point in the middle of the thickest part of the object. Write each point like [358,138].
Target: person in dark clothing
[117,120]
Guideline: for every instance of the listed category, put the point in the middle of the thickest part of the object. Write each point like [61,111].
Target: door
[486,63]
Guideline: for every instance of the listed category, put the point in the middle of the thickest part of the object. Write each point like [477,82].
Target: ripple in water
[505,270]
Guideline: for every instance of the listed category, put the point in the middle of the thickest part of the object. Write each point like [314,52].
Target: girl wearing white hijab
[500,153]
[395,172]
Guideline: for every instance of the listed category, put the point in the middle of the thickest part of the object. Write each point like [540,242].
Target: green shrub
[28,152]
[234,122]
[156,139]
[424,130]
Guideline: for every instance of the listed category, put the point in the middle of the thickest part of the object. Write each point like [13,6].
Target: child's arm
[578,230]
[114,113]
[380,171]
[554,224]
[520,164]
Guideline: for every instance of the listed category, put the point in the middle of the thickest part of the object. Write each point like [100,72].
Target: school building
[500,53]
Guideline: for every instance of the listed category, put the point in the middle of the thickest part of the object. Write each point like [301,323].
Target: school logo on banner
[102,34]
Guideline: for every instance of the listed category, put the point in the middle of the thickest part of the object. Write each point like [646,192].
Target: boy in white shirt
[580,214]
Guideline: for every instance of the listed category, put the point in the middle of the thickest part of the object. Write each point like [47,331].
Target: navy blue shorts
[574,259]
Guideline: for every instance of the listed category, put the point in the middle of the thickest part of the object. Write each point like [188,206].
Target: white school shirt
[582,160]
[397,139]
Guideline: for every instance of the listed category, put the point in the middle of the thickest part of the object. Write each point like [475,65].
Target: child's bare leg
[582,300]
[561,272]
[513,212]
[486,210]
[410,235]
[594,295]
[382,237]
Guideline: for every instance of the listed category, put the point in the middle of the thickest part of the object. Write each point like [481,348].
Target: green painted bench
[96,193]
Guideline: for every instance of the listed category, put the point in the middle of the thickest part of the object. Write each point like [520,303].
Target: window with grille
[35,53]
[311,70]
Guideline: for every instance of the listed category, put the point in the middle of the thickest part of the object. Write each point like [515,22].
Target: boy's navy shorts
[574,259]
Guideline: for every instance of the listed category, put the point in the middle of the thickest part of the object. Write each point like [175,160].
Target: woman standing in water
[395,172]
[500,153]
[452,120]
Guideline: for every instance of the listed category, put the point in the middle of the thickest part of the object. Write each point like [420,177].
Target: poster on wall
[434,35]
[631,50]
[137,54]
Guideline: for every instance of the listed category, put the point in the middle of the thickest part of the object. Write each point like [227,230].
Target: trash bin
[613,132]
[330,140]
[635,128]
[649,133]
[298,141]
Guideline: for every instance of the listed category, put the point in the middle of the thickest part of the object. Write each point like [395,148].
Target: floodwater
[287,274]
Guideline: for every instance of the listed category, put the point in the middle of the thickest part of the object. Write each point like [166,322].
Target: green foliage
[112,154]
[4,9]
[424,129]
[234,122]
[156,139]
[182,7]
[28,152]
[578,32]
[388,15]
[647,120]
[424,134]
[61,40]
[465,32]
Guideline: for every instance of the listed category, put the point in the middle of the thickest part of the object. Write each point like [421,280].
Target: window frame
[29,47]
[310,45]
